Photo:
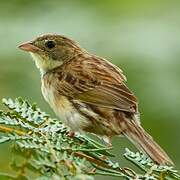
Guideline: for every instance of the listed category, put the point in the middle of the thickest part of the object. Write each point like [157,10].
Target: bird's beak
[28,46]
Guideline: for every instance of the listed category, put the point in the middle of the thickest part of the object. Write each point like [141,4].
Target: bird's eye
[50,44]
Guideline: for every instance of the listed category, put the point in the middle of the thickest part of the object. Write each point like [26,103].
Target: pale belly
[64,109]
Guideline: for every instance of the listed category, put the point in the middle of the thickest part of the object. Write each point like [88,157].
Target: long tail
[143,141]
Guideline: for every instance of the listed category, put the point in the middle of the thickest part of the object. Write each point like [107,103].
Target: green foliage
[44,150]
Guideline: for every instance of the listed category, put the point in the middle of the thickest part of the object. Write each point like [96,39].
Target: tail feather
[143,141]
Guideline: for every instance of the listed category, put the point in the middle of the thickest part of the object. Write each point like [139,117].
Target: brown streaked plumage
[89,93]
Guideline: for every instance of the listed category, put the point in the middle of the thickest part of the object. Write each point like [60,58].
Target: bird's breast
[63,108]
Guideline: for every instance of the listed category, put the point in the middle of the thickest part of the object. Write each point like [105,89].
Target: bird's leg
[107,140]
[92,171]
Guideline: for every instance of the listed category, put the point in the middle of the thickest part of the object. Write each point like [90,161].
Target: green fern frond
[47,152]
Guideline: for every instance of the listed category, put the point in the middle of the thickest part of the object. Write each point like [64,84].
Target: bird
[89,93]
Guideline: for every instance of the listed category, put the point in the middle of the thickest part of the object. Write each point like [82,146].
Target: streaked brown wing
[95,81]
[108,96]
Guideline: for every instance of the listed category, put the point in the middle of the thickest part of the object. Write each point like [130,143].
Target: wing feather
[95,81]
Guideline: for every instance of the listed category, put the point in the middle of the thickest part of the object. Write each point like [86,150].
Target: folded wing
[96,81]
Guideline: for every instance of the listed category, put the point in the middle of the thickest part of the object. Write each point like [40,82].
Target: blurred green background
[141,37]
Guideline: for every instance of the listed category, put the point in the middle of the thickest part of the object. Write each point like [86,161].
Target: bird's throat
[44,64]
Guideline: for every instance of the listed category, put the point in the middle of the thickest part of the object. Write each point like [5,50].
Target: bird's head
[50,51]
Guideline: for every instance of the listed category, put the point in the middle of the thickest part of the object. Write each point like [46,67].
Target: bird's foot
[71,134]
[92,171]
